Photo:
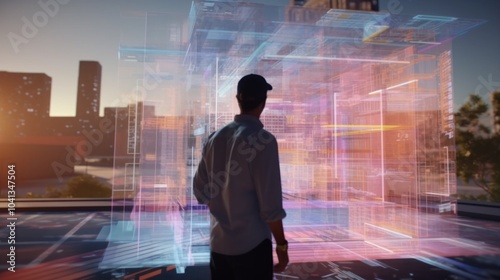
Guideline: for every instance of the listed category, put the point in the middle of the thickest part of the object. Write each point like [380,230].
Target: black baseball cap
[252,90]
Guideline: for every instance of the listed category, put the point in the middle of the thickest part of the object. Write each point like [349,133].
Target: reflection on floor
[89,246]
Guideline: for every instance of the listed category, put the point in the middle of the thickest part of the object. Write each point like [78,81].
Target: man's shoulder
[241,131]
[262,133]
[267,133]
[228,128]
[255,132]
[222,132]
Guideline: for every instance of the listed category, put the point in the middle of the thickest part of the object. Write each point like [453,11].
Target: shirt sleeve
[267,180]
[200,183]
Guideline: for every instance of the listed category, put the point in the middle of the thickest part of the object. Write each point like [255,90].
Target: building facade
[88,94]
[24,104]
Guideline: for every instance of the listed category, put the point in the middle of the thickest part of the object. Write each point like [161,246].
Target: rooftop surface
[78,245]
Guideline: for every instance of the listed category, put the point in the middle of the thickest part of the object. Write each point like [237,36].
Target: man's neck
[251,113]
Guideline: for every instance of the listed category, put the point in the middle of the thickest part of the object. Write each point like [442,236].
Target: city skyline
[89,30]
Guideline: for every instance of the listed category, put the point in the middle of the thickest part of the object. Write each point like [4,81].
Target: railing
[479,209]
[68,204]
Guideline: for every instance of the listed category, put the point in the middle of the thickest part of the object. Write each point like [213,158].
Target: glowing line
[367,39]
[466,225]
[434,18]
[448,170]
[361,257]
[428,43]
[191,214]
[435,193]
[287,276]
[216,90]
[356,132]
[402,84]
[148,50]
[457,263]
[390,231]
[52,248]
[451,240]
[378,246]
[335,135]
[375,92]
[445,267]
[187,53]
[382,162]
[334,58]
[357,126]
[27,219]
[392,87]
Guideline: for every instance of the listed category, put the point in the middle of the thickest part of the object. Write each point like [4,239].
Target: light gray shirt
[239,176]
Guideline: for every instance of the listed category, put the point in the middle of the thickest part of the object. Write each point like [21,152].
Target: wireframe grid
[360,108]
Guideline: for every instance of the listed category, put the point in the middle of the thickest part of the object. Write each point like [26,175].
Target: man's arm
[281,245]
[278,232]
[267,180]
[200,181]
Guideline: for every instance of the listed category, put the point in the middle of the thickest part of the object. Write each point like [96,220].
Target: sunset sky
[90,30]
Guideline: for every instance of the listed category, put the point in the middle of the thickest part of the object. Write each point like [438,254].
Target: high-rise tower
[24,103]
[88,94]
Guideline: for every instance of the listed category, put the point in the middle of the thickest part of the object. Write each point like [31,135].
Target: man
[239,179]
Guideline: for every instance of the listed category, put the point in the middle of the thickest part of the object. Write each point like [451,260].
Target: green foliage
[83,186]
[86,186]
[33,195]
[478,147]
[51,191]
[495,103]
[469,115]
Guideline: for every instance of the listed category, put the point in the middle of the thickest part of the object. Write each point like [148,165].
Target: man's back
[239,179]
[241,165]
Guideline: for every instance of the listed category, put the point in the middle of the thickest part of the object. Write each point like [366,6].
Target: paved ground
[82,245]
[101,245]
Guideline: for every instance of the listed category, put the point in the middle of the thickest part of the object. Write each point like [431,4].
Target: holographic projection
[361,108]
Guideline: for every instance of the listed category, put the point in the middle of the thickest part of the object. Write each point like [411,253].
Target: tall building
[88,94]
[27,132]
[24,103]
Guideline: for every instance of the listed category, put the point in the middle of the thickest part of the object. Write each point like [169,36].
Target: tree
[478,146]
[82,186]
[86,186]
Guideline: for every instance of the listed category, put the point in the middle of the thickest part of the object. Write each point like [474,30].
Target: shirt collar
[248,119]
